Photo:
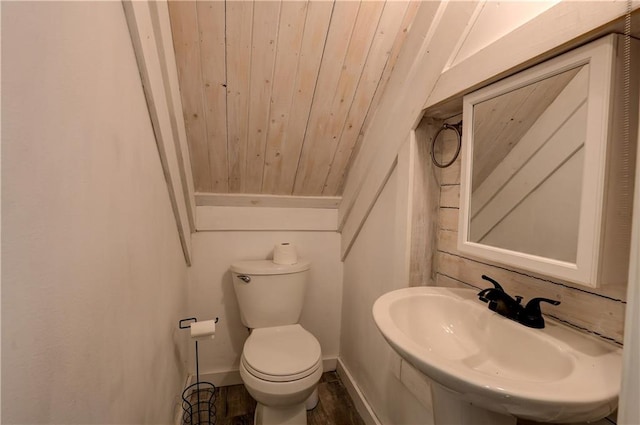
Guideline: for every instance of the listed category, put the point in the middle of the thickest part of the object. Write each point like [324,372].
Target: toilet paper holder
[198,399]
[190,320]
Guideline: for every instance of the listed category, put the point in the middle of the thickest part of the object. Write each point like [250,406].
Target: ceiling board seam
[344,59]
[315,87]
[212,38]
[370,121]
[295,78]
[202,94]
[379,91]
[360,134]
[344,124]
[237,180]
[226,100]
[243,178]
[186,45]
[259,75]
[271,78]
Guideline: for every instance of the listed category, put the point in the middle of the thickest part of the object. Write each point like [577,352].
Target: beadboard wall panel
[424,206]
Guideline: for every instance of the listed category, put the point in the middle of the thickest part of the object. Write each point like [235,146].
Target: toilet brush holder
[198,399]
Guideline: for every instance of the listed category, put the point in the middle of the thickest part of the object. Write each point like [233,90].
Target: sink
[555,374]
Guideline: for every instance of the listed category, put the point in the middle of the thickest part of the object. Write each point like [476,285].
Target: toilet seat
[281,353]
[281,378]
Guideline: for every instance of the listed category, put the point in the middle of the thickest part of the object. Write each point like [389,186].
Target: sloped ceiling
[276,95]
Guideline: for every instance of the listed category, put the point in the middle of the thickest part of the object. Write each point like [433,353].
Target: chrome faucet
[511,307]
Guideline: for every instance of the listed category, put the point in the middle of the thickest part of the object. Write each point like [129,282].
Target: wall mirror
[539,165]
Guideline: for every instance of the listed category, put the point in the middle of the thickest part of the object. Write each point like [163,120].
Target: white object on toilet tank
[269,294]
[285,253]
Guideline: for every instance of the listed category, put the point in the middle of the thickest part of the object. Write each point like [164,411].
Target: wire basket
[198,404]
[198,400]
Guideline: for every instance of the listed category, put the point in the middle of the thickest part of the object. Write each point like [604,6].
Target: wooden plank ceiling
[276,95]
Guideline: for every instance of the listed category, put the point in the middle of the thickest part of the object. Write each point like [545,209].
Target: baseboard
[362,405]
[219,379]
[232,377]
[329,364]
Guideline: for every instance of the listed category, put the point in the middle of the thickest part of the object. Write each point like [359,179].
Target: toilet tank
[269,294]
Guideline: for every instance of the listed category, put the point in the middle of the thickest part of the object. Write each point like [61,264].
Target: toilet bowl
[281,362]
[280,367]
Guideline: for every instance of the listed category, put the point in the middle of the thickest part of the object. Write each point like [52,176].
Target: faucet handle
[532,316]
[483,295]
[534,303]
[495,284]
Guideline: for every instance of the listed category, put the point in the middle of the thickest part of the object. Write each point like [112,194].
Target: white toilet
[281,362]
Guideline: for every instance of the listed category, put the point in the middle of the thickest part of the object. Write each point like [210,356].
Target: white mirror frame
[600,55]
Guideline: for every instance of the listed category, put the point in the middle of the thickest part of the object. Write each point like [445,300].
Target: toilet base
[291,415]
[312,401]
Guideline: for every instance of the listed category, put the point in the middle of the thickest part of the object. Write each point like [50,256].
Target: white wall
[369,273]
[93,276]
[212,291]
[493,20]
[629,408]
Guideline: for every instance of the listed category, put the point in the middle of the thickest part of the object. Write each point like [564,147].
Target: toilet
[281,362]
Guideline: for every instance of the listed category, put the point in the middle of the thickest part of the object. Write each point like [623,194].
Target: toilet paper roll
[203,330]
[285,253]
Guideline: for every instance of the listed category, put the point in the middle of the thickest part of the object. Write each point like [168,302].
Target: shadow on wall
[238,333]
[180,341]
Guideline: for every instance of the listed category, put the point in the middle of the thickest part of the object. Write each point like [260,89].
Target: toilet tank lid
[267,267]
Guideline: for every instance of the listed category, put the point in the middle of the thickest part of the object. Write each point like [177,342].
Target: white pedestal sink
[490,370]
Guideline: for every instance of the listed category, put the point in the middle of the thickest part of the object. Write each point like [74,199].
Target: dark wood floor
[234,405]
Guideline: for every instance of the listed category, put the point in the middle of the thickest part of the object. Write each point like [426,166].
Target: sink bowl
[555,374]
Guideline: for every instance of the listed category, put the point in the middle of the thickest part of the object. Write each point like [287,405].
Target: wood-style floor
[234,405]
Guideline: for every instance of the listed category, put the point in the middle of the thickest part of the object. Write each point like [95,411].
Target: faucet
[511,307]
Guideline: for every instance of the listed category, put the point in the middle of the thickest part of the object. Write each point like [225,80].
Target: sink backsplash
[599,311]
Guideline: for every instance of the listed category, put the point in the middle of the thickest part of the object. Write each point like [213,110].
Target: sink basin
[555,374]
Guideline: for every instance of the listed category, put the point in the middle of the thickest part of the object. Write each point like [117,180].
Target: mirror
[528,160]
[540,162]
